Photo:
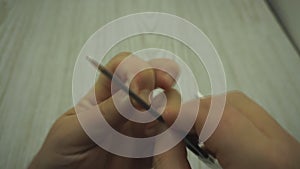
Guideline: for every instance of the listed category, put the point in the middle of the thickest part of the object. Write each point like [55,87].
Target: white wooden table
[40,41]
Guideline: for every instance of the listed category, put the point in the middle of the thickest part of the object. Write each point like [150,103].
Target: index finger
[103,84]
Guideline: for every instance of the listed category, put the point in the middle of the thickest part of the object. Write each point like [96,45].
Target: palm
[78,151]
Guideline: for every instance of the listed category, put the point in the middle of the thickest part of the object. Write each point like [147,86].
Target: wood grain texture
[40,41]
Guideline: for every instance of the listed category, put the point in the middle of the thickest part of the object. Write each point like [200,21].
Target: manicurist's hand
[67,146]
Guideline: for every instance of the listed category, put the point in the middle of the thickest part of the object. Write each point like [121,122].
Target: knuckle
[236,94]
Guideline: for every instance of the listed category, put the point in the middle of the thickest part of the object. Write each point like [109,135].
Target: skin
[246,137]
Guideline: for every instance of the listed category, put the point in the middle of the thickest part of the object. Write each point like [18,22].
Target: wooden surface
[40,41]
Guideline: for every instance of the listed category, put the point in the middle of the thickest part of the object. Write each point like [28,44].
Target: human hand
[67,145]
[246,137]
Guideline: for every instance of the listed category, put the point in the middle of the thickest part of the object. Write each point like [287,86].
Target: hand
[67,146]
[246,137]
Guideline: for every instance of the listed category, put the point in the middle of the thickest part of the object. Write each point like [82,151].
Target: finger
[68,124]
[166,72]
[172,159]
[173,105]
[177,156]
[251,110]
[128,163]
[103,84]
[169,103]
[230,132]
[187,109]
[137,72]
[111,113]
[95,125]
[138,75]
[202,113]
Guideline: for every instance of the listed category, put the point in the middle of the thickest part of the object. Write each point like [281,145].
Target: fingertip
[143,80]
[175,158]
[164,80]
[166,72]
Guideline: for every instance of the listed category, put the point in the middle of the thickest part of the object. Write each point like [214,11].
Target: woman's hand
[67,145]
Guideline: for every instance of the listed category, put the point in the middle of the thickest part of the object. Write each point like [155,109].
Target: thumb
[176,157]
[172,159]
